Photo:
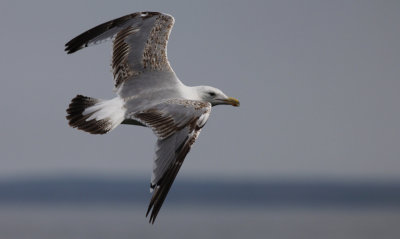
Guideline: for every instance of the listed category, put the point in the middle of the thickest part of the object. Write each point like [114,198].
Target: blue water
[127,221]
[115,208]
[268,193]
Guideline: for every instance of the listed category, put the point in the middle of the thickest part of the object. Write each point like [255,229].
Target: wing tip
[82,40]
[70,50]
[74,46]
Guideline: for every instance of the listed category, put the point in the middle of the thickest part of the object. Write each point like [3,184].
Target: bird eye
[211,93]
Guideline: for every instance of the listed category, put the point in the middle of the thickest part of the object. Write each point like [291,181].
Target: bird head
[216,96]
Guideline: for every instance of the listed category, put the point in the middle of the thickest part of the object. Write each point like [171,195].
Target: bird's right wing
[177,123]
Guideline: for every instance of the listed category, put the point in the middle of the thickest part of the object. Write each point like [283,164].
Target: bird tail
[95,116]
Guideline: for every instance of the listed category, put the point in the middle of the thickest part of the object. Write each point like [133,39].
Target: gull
[148,94]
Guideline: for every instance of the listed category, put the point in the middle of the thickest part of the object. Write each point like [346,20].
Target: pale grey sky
[318,83]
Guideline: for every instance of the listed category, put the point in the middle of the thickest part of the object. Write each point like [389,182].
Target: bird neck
[191,92]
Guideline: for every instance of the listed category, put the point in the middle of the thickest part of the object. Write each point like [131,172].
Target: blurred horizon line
[267,193]
[82,175]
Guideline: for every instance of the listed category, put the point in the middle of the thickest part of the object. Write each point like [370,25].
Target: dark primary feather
[83,39]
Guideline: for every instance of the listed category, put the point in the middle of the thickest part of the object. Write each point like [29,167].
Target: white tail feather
[111,110]
[96,116]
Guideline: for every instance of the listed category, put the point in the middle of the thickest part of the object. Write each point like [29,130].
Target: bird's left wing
[139,46]
[177,124]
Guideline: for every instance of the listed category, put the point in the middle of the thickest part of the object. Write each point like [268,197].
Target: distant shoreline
[273,193]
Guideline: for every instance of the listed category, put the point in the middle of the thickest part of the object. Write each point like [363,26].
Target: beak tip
[234,102]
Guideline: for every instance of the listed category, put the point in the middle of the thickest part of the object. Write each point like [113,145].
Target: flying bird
[148,94]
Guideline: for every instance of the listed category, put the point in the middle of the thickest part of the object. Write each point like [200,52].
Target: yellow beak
[232,101]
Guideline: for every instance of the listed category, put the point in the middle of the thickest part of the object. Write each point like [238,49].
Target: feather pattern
[140,43]
[177,123]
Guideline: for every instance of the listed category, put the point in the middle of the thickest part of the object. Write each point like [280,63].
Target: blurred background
[313,151]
